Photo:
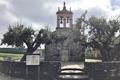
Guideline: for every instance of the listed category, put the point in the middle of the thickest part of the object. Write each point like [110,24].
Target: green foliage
[12,50]
[102,33]
[10,56]
[45,36]
[19,34]
[103,29]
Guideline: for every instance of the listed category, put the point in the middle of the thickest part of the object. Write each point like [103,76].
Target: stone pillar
[58,22]
[71,23]
[64,23]
[64,55]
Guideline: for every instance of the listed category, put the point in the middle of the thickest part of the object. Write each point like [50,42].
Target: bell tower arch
[64,17]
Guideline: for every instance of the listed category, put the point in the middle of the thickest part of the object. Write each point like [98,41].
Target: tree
[18,35]
[101,35]
[80,36]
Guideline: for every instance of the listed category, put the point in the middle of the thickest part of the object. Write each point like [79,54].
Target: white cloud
[3,2]
[86,4]
[94,7]
[40,13]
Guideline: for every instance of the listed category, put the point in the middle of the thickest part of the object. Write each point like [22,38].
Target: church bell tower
[64,18]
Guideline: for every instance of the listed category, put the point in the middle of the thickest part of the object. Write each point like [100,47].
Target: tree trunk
[105,54]
[29,51]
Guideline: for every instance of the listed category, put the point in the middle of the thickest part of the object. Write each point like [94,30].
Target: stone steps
[72,74]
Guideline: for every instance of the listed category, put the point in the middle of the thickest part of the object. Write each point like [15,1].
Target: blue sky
[40,13]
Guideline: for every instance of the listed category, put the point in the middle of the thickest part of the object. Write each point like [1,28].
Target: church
[64,46]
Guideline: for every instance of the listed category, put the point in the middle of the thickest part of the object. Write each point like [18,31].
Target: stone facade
[64,18]
[64,46]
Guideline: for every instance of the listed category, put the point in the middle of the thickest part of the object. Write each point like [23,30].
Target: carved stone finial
[70,9]
[64,5]
[58,8]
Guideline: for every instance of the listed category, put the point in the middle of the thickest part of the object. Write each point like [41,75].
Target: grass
[10,57]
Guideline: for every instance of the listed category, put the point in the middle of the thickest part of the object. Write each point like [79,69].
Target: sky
[41,13]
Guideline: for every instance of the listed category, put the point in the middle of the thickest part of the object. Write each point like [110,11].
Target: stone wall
[65,49]
[47,70]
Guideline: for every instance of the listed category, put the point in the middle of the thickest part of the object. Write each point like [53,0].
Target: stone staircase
[72,72]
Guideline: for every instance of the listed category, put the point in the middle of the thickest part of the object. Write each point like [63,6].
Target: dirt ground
[6,77]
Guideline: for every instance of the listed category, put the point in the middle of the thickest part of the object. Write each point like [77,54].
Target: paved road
[5,77]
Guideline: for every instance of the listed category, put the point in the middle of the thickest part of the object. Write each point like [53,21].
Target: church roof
[64,11]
